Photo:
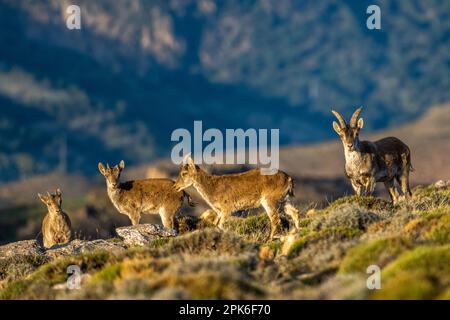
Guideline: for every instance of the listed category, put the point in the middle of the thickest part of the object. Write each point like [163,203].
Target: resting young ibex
[233,192]
[137,197]
[366,162]
[56,225]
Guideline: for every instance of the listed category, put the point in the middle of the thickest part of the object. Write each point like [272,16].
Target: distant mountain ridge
[140,69]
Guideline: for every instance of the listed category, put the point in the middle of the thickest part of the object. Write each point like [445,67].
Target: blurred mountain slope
[137,70]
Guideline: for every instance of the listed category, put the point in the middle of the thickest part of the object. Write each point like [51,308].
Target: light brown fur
[149,196]
[229,193]
[56,226]
[386,160]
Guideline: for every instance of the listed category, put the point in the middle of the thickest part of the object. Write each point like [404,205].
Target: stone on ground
[142,234]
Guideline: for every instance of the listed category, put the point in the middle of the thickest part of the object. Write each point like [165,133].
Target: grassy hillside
[326,259]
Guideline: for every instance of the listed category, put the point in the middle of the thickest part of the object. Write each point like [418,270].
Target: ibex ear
[360,123]
[336,127]
[59,194]
[42,198]
[188,160]
[121,165]
[101,168]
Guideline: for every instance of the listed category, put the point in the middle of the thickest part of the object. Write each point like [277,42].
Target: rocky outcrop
[441,184]
[142,234]
[83,246]
[24,248]
[129,236]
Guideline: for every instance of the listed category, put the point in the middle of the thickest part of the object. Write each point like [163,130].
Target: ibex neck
[114,195]
[203,184]
[113,191]
[353,155]
[55,212]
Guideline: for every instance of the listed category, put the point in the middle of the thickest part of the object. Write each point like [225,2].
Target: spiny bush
[369,203]
[188,223]
[253,228]
[14,267]
[430,197]
[431,225]
[207,241]
[351,216]
[393,224]
[39,283]
[224,277]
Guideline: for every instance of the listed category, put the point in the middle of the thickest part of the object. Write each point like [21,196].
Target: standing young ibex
[56,225]
[366,162]
[233,192]
[137,197]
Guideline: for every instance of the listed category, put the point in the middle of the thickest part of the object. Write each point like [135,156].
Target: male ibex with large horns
[366,162]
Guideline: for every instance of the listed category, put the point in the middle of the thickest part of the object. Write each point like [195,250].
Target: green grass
[421,273]
[377,252]
[370,203]
[409,244]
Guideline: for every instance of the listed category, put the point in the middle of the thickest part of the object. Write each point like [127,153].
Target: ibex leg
[271,208]
[359,190]
[135,217]
[167,216]
[393,193]
[404,183]
[369,186]
[293,212]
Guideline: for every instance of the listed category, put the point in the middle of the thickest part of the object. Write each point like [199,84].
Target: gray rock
[142,234]
[441,184]
[82,246]
[26,247]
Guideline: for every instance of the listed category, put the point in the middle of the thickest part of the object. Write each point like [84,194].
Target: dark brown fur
[386,160]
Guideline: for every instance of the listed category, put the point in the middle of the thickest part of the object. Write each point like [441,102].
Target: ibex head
[52,201]
[187,174]
[349,133]
[112,175]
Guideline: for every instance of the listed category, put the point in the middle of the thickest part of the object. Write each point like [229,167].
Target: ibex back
[151,196]
[386,160]
[233,192]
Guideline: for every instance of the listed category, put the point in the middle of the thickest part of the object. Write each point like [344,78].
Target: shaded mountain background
[137,70]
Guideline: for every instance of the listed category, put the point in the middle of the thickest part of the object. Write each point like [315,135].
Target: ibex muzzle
[386,160]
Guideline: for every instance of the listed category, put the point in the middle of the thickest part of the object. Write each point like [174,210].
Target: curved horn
[340,119]
[107,166]
[355,116]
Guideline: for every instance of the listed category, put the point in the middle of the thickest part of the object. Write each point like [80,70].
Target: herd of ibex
[386,160]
